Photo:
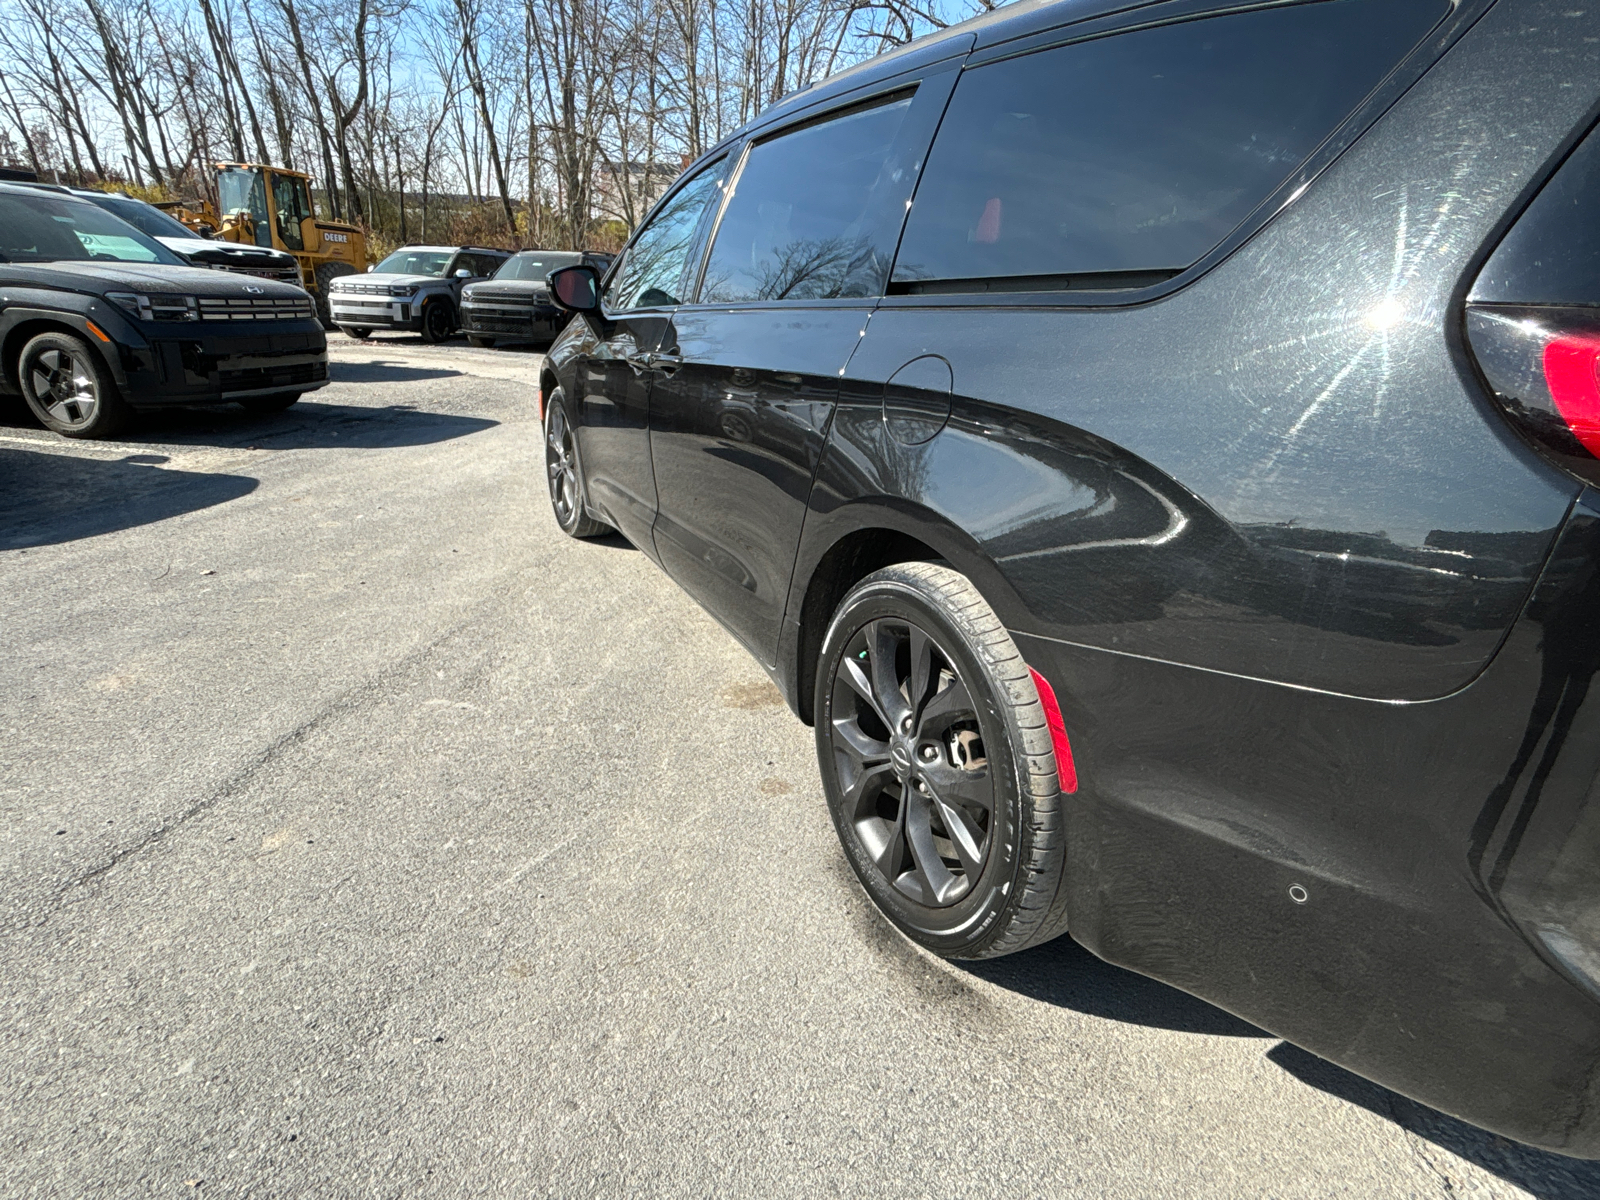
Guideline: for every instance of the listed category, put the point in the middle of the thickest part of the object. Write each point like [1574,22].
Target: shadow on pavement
[49,498]
[307,426]
[1544,1175]
[386,372]
[1064,973]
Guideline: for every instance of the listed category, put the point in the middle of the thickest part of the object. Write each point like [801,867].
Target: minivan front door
[612,414]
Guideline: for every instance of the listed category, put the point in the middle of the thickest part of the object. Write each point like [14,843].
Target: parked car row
[1156,446]
[109,306]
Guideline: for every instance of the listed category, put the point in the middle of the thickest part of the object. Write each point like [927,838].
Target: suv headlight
[156,308]
[402,289]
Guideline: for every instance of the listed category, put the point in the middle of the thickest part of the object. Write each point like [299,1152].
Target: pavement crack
[347,701]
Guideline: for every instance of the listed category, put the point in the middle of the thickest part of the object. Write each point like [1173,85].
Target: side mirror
[372,266]
[463,273]
[576,289]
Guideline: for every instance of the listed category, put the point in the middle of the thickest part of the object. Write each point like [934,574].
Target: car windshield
[145,218]
[50,228]
[537,265]
[415,262]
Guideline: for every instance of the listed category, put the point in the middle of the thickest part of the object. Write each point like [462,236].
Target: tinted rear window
[1140,151]
[814,213]
[1552,254]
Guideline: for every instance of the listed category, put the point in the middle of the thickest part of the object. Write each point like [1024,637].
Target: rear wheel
[561,469]
[479,341]
[356,332]
[437,321]
[69,389]
[325,275]
[270,404]
[938,765]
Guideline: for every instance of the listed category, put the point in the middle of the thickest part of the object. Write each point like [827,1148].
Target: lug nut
[906,725]
[929,753]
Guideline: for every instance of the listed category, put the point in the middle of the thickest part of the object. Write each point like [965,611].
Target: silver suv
[417,288]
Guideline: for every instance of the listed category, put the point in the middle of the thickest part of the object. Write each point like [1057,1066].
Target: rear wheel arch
[869,547]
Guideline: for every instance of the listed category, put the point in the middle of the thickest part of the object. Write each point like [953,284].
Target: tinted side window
[654,263]
[1552,254]
[814,213]
[1141,151]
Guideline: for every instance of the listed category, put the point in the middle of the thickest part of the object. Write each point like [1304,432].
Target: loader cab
[271,206]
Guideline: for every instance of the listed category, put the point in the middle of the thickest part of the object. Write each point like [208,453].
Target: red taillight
[1065,767]
[1572,372]
[1543,364]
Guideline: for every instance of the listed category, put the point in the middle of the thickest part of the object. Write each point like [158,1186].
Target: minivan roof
[986,29]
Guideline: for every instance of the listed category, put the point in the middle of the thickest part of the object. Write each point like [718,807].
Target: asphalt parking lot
[364,836]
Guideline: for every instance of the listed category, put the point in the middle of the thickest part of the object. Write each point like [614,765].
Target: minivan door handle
[638,360]
[667,364]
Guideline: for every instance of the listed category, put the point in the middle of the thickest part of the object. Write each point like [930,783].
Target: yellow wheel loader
[271,206]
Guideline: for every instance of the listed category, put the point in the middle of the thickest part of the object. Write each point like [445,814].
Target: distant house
[624,191]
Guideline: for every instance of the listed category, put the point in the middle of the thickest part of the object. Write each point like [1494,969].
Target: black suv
[97,319]
[515,305]
[1156,448]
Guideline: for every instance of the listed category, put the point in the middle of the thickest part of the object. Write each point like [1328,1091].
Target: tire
[270,404]
[356,332]
[908,802]
[438,321]
[70,389]
[324,275]
[563,473]
[481,342]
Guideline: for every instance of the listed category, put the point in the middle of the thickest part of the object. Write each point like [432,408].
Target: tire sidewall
[428,317]
[557,402]
[109,410]
[965,927]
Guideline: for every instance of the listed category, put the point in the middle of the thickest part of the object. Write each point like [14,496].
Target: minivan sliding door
[747,377]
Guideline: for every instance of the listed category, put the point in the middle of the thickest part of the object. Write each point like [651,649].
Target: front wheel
[437,321]
[69,389]
[938,765]
[561,468]
[356,332]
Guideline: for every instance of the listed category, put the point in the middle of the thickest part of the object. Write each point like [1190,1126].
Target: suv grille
[281,274]
[251,308]
[365,289]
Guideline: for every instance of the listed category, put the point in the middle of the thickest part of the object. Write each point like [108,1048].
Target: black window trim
[1081,291]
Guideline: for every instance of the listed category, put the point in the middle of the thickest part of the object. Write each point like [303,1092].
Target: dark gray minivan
[1155,446]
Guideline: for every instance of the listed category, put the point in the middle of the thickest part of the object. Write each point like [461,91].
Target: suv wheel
[325,275]
[561,468]
[938,765]
[69,389]
[356,332]
[437,321]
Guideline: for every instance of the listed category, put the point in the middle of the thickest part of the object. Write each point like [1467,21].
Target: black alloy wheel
[911,762]
[938,765]
[356,332]
[69,389]
[561,469]
[437,321]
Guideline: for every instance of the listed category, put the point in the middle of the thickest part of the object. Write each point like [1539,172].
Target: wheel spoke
[863,749]
[861,685]
[934,876]
[945,706]
[964,835]
[956,786]
[883,645]
[923,676]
